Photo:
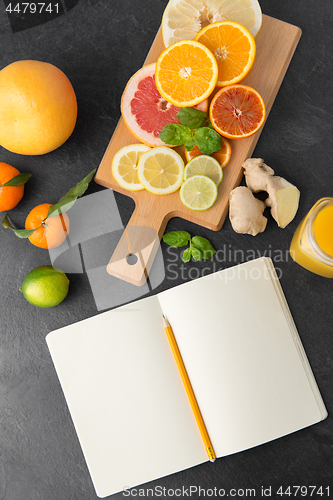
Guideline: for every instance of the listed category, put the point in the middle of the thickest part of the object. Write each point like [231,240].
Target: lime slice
[204,165]
[161,170]
[198,192]
[125,166]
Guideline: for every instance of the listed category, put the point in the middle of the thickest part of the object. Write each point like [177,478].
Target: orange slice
[186,73]
[237,111]
[234,49]
[222,155]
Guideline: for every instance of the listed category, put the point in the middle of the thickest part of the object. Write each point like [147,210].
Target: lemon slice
[204,165]
[161,170]
[198,192]
[125,166]
[183,19]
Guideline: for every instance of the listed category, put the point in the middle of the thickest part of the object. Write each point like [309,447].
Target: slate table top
[99,45]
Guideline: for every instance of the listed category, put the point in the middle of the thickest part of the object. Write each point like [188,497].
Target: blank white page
[126,397]
[242,357]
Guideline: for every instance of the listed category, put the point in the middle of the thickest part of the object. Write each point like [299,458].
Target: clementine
[10,196]
[52,232]
[38,107]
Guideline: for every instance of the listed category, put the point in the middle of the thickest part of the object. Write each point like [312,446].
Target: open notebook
[243,355]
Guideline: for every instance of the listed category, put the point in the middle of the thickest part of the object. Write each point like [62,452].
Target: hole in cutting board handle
[131,259]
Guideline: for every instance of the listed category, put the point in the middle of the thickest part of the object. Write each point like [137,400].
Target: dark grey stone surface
[99,45]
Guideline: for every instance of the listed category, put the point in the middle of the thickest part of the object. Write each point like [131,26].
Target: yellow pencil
[189,391]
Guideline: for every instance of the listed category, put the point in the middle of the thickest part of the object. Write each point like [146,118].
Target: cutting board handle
[133,257]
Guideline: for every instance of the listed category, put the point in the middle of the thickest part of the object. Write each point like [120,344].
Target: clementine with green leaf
[10,196]
[49,232]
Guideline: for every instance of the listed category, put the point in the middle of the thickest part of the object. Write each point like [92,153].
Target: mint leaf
[68,200]
[196,253]
[190,144]
[21,233]
[175,134]
[209,124]
[204,246]
[18,180]
[208,140]
[176,238]
[186,257]
[191,117]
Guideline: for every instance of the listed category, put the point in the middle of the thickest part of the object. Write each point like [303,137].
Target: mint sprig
[194,129]
[64,204]
[200,248]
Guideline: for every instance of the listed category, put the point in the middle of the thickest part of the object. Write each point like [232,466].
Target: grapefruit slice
[145,111]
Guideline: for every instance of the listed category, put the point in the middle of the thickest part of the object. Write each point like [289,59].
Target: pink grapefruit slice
[145,111]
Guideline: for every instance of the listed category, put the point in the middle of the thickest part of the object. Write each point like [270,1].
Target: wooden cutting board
[276,43]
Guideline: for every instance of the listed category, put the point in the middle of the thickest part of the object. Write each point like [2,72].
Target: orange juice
[323,229]
[312,244]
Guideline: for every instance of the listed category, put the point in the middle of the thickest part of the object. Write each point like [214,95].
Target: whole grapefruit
[38,107]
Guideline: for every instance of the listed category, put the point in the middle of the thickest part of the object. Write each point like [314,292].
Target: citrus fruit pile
[209,49]
[183,19]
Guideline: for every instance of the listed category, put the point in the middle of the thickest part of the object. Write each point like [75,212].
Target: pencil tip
[212,460]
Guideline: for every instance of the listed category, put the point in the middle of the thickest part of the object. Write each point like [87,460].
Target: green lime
[198,192]
[204,165]
[45,286]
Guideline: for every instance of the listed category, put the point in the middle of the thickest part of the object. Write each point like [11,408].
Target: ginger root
[283,197]
[257,174]
[246,212]
[283,200]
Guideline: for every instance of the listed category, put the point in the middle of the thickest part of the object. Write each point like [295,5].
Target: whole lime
[45,286]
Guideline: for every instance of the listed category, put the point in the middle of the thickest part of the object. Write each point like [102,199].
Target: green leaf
[175,134]
[196,253]
[209,124]
[204,246]
[208,140]
[187,254]
[190,144]
[176,238]
[192,118]
[68,200]
[21,233]
[18,180]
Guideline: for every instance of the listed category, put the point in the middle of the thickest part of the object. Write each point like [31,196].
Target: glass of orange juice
[312,244]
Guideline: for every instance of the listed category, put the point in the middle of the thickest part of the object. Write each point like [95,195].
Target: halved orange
[234,49]
[222,155]
[237,111]
[186,73]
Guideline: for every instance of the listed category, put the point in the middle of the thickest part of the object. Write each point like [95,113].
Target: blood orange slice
[145,111]
[237,111]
